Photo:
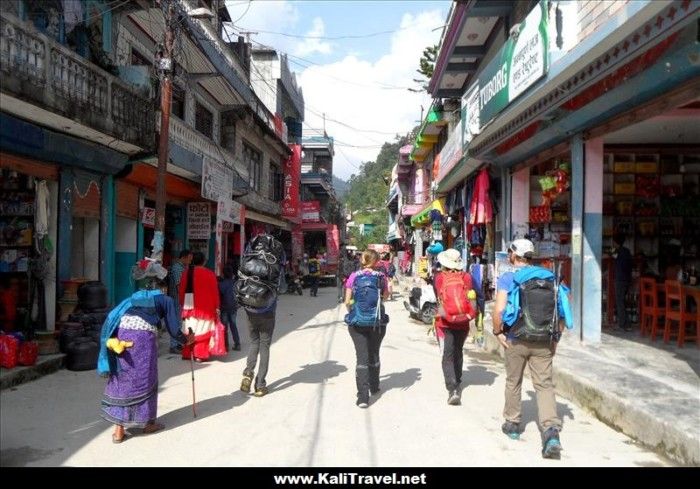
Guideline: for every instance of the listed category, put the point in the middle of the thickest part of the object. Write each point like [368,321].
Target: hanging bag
[217,347]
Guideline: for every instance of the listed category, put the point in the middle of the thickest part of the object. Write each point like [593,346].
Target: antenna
[247,34]
[324,126]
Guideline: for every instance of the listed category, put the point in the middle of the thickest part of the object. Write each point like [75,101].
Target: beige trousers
[538,357]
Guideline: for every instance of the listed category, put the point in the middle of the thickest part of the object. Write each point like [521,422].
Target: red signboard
[332,244]
[297,245]
[292,184]
[311,211]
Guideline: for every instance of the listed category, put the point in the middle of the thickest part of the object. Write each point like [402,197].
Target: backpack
[391,271]
[367,309]
[455,306]
[538,313]
[259,272]
[313,267]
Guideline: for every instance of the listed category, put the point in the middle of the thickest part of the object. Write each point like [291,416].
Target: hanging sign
[522,60]
[217,180]
[292,177]
[148,217]
[311,211]
[198,220]
[229,211]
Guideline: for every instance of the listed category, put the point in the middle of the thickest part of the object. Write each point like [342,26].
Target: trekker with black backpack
[366,320]
[259,276]
[529,315]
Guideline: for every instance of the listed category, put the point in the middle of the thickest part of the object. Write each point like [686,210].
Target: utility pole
[164,59]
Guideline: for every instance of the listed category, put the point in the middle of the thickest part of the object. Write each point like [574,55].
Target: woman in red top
[453,285]
[202,314]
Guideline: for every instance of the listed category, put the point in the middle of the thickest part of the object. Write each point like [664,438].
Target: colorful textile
[480,210]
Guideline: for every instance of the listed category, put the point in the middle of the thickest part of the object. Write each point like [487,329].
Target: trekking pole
[194,412]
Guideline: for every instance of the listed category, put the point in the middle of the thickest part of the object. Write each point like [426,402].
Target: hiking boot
[362,401]
[453,399]
[261,391]
[511,429]
[551,446]
[245,383]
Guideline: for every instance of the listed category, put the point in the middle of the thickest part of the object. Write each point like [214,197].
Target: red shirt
[437,283]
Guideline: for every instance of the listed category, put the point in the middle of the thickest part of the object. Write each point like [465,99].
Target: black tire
[69,332]
[92,295]
[82,354]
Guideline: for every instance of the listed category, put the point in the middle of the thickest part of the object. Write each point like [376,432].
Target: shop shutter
[127,200]
[86,197]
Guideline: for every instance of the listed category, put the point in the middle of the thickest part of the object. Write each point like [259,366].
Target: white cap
[522,248]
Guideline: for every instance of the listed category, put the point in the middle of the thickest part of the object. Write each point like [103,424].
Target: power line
[336,38]
[244,13]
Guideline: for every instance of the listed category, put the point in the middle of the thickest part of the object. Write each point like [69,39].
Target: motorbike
[422,304]
[294,286]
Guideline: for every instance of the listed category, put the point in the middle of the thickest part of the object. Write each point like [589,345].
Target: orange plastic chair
[651,312]
[675,308]
[689,317]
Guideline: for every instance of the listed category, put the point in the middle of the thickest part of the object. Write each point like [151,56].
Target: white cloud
[272,15]
[312,45]
[347,91]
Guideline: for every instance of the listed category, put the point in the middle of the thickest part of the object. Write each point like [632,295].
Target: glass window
[253,159]
[178,105]
[203,120]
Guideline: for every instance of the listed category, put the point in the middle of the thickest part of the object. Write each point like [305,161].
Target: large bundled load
[259,273]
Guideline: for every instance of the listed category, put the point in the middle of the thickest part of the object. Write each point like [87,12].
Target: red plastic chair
[675,309]
[651,312]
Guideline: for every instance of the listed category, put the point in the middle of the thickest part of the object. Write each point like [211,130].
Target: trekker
[129,352]
[229,306]
[174,279]
[526,321]
[263,253]
[455,310]
[314,267]
[199,297]
[623,279]
[345,269]
[366,320]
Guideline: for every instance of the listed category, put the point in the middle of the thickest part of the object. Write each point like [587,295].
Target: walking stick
[194,412]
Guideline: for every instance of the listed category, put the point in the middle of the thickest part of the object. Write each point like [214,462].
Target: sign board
[470,115]
[522,60]
[148,217]
[229,211]
[311,211]
[217,180]
[292,183]
[198,221]
[332,244]
[451,153]
[297,245]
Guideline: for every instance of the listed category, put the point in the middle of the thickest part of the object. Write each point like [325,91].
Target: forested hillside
[367,193]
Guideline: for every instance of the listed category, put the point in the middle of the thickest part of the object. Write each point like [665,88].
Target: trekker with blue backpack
[364,292]
[530,313]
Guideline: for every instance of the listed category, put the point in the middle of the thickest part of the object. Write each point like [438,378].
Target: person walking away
[261,319]
[366,320]
[199,298]
[453,288]
[623,280]
[174,279]
[129,352]
[229,306]
[345,269]
[529,315]
[314,266]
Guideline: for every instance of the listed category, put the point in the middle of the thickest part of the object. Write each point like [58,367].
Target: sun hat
[522,248]
[451,259]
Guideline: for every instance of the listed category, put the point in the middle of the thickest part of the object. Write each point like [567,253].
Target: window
[203,120]
[276,188]
[178,105]
[138,59]
[228,131]
[253,159]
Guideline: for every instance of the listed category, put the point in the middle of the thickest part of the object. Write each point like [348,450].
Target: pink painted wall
[520,204]
[593,202]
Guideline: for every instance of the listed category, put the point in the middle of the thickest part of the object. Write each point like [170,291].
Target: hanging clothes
[481,211]
[41,212]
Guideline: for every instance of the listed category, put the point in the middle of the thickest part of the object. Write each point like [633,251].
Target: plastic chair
[674,312]
[651,312]
[689,317]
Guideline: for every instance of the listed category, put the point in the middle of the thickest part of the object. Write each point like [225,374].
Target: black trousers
[367,340]
[453,356]
[260,328]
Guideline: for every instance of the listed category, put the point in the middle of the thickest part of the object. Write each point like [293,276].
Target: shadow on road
[478,375]
[204,408]
[315,373]
[529,411]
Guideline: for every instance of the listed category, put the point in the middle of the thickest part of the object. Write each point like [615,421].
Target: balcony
[78,97]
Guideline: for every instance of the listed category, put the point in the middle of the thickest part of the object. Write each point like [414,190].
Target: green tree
[427,61]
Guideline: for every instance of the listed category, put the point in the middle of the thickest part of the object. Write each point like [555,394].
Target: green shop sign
[522,60]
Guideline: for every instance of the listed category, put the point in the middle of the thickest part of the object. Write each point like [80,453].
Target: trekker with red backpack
[455,310]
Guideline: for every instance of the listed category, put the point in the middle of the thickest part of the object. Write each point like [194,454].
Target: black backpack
[259,272]
[539,316]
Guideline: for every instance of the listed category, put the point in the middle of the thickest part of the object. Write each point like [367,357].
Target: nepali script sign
[217,180]
[522,60]
[198,220]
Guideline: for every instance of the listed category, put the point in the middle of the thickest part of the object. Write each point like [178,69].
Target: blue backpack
[367,309]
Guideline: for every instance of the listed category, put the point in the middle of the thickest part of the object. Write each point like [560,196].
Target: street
[309,418]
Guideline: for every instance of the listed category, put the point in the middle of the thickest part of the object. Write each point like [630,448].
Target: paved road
[309,418]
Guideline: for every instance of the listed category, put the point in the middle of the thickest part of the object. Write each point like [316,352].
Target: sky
[349,66]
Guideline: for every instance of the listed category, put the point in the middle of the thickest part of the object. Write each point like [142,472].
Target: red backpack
[454,304]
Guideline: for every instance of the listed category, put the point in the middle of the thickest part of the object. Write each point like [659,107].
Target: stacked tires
[80,337]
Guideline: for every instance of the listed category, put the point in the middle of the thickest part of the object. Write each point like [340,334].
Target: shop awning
[255,216]
[423,217]
[428,133]
[143,175]
[410,209]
